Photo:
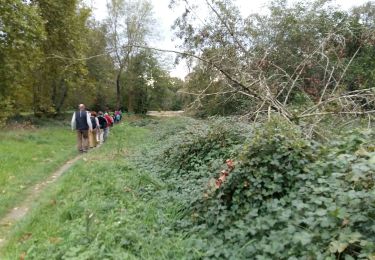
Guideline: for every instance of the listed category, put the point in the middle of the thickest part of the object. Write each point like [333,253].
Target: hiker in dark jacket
[102,126]
[82,123]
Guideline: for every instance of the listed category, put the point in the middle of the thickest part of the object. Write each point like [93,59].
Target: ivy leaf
[302,237]
[348,257]
[321,212]
[337,246]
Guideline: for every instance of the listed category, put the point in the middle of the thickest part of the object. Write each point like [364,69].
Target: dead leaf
[54,240]
[345,222]
[25,237]
[337,246]
[22,256]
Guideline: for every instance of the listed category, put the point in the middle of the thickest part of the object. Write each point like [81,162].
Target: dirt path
[165,113]
[18,212]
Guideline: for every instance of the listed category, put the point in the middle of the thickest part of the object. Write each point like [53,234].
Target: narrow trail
[20,211]
[165,113]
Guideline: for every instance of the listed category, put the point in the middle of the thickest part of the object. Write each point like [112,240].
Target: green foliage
[301,53]
[360,75]
[100,71]
[218,98]
[61,72]
[148,86]
[6,110]
[288,197]
[41,46]
[201,143]
[147,194]
[21,36]
[270,166]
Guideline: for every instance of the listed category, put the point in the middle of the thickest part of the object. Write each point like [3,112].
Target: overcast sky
[166,17]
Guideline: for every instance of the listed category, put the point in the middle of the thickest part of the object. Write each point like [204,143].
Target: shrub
[201,143]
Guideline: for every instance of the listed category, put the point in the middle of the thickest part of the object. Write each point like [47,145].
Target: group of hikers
[92,128]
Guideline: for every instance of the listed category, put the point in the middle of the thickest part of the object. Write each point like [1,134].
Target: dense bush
[287,197]
[201,144]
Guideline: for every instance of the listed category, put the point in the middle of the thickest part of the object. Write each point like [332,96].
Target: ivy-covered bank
[267,192]
[216,189]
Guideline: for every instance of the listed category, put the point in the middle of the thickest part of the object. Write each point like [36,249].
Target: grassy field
[28,156]
[97,210]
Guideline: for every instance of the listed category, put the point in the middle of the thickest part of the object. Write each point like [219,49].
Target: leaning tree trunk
[118,90]
[130,101]
[64,94]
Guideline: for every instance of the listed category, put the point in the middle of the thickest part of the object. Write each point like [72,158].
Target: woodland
[273,158]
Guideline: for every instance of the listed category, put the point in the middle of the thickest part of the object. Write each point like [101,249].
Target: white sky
[166,17]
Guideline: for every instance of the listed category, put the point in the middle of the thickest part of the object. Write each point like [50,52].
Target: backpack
[93,122]
[102,122]
[109,120]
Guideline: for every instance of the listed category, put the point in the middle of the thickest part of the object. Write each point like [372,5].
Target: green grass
[28,157]
[98,210]
[123,201]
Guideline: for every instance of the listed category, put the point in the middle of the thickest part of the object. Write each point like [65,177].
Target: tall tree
[63,68]
[152,86]
[129,24]
[101,68]
[21,35]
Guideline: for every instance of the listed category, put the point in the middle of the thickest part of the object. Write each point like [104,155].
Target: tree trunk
[118,87]
[64,94]
[130,101]
[54,93]
[118,90]
[37,95]
[36,98]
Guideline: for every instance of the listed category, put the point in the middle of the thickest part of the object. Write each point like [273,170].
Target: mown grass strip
[28,157]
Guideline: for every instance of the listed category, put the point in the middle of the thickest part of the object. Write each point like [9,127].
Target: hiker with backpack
[117,116]
[95,127]
[102,125]
[109,120]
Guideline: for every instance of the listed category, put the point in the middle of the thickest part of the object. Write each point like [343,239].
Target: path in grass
[19,211]
[104,207]
[29,156]
[165,113]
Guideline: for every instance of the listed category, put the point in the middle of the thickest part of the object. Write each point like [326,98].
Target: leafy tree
[216,99]
[129,24]
[101,69]
[150,85]
[21,33]
[63,68]
[361,74]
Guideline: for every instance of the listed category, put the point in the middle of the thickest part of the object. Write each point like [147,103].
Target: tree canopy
[55,55]
[302,60]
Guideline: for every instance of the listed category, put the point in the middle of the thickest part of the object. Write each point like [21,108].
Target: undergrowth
[287,197]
